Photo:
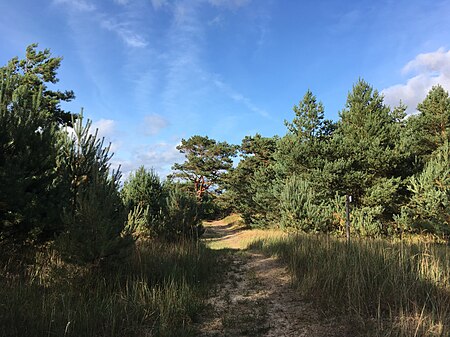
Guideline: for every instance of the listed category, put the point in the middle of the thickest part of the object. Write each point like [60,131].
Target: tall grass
[397,289]
[156,292]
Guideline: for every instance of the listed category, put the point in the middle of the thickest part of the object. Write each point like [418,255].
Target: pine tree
[248,186]
[95,215]
[29,209]
[309,123]
[429,207]
[33,74]
[301,149]
[367,152]
[143,188]
[430,129]
[206,162]
[301,208]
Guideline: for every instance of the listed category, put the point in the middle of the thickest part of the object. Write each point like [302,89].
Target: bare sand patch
[256,298]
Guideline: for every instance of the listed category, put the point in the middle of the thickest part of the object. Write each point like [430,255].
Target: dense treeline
[57,186]
[394,166]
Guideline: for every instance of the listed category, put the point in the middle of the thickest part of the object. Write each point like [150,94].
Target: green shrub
[301,208]
[429,207]
[144,188]
[160,210]
[95,217]
[181,216]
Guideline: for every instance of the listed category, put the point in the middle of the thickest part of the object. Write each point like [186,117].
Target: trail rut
[256,297]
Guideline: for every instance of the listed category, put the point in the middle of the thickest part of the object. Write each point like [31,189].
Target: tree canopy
[206,162]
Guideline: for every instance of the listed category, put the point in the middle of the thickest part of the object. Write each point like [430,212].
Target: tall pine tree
[367,152]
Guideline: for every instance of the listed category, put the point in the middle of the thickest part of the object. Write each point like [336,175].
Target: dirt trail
[256,297]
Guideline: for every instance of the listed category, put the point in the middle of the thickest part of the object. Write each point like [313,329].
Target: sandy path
[256,297]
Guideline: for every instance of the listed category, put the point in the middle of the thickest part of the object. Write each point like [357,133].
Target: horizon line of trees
[57,187]
[395,167]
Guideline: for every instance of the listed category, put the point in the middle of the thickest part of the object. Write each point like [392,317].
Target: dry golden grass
[231,233]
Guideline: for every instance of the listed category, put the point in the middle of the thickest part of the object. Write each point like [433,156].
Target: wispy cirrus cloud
[238,97]
[186,71]
[124,31]
[157,4]
[428,69]
[78,5]
[171,75]
[229,3]
[122,2]
[182,61]
[122,28]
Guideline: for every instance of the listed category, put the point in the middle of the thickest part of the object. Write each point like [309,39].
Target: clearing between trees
[256,296]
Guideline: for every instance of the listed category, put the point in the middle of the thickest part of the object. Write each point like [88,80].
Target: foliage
[95,217]
[248,186]
[144,196]
[181,218]
[301,208]
[29,210]
[365,152]
[206,162]
[429,207]
[431,128]
[165,210]
[368,137]
[302,148]
[33,74]
[309,123]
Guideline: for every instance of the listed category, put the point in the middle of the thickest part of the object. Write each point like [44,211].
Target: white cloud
[106,127]
[229,3]
[428,69]
[438,61]
[154,123]
[78,5]
[157,4]
[127,35]
[122,29]
[216,21]
[160,156]
[238,97]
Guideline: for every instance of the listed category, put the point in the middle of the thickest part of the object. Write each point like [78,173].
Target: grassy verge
[395,289]
[158,291]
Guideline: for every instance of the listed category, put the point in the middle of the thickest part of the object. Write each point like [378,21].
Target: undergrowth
[395,289]
[158,291]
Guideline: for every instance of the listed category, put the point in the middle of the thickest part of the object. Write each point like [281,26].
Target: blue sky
[150,72]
